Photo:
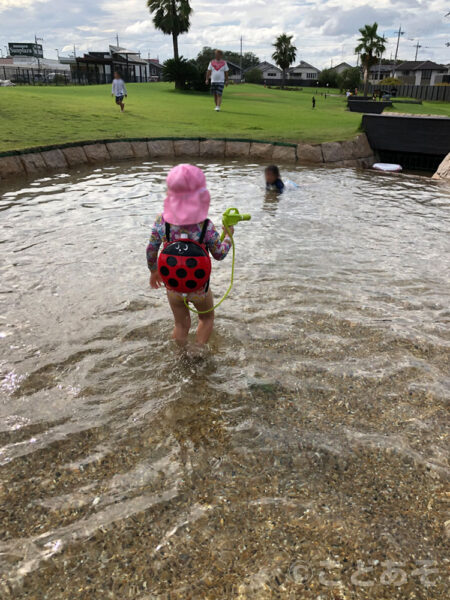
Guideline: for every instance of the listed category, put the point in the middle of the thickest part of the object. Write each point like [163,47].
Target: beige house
[341,67]
[303,71]
[419,72]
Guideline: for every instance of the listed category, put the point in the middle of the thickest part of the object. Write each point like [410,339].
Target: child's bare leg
[219,100]
[206,321]
[182,318]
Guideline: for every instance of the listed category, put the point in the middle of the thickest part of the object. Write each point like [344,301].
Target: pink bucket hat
[187,200]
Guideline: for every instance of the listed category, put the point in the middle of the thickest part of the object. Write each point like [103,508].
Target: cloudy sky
[324,30]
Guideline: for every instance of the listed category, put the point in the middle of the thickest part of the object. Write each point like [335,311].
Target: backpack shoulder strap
[203,233]
[167,232]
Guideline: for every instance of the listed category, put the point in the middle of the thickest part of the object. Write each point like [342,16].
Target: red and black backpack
[185,265]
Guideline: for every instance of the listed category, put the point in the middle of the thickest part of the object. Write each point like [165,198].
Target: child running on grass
[119,90]
[184,219]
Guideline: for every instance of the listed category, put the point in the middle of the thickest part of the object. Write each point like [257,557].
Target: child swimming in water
[273,180]
[185,217]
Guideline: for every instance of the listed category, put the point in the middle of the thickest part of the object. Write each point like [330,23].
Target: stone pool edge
[350,153]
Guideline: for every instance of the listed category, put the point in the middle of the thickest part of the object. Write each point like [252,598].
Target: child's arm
[152,252]
[212,240]
[125,89]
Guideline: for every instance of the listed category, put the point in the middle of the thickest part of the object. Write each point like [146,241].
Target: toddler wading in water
[273,179]
[185,217]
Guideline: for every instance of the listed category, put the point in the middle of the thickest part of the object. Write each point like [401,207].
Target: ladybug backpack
[185,265]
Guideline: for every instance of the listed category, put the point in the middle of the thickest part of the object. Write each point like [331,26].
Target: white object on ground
[6,83]
[290,185]
[389,167]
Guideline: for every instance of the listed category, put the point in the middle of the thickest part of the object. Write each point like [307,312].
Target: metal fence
[27,76]
[31,76]
[419,92]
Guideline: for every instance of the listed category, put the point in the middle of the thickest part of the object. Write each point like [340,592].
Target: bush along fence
[419,92]
[32,162]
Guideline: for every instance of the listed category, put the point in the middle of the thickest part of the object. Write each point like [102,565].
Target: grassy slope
[33,116]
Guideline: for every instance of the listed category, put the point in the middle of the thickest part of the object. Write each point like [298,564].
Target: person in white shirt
[218,75]
[118,90]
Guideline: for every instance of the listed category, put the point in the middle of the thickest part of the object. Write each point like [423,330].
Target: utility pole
[57,52]
[399,33]
[417,49]
[74,52]
[240,61]
[117,39]
[36,40]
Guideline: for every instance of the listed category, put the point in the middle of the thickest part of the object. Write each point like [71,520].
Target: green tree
[350,79]
[371,47]
[253,76]
[207,54]
[285,53]
[248,59]
[329,78]
[172,17]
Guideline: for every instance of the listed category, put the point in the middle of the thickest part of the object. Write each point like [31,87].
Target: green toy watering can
[232,217]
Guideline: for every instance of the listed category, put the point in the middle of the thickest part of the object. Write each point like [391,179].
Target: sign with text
[16,49]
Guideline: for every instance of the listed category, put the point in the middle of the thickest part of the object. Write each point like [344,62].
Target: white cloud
[323,30]
[18,4]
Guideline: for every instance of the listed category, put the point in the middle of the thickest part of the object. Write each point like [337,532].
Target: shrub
[254,76]
[184,73]
[390,81]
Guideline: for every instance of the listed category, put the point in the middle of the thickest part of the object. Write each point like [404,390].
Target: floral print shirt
[212,241]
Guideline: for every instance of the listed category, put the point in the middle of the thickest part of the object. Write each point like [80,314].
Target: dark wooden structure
[368,106]
[99,67]
[357,98]
[415,142]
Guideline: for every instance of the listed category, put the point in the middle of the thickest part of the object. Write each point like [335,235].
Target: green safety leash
[230,218]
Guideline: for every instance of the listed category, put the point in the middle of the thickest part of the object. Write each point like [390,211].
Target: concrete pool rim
[355,152]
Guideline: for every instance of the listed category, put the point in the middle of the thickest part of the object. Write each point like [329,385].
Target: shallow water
[301,458]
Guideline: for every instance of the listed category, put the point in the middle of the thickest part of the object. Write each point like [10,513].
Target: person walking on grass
[313,102]
[217,73]
[118,90]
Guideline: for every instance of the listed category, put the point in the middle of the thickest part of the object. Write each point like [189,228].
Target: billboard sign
[16,49]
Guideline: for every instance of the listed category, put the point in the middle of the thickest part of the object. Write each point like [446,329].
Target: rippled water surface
[301,458]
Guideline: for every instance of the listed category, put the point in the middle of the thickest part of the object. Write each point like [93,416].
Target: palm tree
[284,54]
[371,48]
[172,17]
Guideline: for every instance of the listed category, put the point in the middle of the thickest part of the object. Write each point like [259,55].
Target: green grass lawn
[37,116]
